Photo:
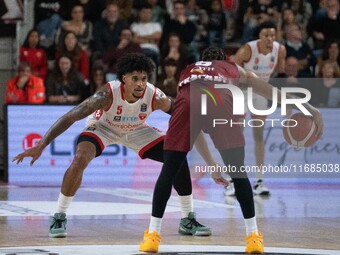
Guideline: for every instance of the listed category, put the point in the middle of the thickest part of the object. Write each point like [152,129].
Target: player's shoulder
[114,84]
[251,44]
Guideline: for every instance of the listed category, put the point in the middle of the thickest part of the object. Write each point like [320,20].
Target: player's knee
[81,159]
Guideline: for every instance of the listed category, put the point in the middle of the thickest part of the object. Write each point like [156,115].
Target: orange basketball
[300,131]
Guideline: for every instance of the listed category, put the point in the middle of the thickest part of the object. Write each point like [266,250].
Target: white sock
[251,225]
[187,205]
[63,203]
[155,225]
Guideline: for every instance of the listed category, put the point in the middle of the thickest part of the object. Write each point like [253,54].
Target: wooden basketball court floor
[298,218]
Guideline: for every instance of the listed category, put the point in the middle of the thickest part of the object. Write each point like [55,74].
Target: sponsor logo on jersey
[91,128]
[256,61]
[143,107]
[97,114]
[117,118]
[142,116]
[196,69]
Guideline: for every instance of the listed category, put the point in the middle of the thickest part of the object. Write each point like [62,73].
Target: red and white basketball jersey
[123,116]
[262,65]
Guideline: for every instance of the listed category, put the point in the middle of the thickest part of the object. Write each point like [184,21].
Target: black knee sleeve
[182,182]
[243,191]
[173,160]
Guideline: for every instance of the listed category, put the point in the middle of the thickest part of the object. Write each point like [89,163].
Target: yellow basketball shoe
[254,243]
[150,242]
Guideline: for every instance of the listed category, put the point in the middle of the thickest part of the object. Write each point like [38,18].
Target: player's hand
[218,178]
[317,117]
[33,152]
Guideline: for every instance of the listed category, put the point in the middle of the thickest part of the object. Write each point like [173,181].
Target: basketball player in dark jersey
[187,121]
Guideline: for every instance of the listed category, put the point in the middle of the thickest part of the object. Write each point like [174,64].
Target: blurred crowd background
[73,45]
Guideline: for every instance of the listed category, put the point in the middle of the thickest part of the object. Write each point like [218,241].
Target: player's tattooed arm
[102,99]
[161,102]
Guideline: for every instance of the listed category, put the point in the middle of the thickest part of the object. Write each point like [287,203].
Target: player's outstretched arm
[100,100]
[265,89]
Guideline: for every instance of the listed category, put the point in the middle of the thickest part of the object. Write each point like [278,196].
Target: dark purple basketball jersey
[216,71]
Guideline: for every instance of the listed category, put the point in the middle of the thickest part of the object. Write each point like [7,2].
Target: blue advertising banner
[26,124]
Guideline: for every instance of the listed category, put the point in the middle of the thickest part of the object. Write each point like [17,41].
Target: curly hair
[134,62]
[213,53]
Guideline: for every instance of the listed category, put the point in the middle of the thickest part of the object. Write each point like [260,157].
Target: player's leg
[260,103]
[229,190]
[259,188]
[173,161]
[87,149]
[182,184]
[188,225]
[235,158]
[176,146]
[229,140]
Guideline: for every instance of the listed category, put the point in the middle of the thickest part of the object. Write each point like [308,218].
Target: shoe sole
[59,235]
[197,233]
[255,252]
[148,250]
[263,193]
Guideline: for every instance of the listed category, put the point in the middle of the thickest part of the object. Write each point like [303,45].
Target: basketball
[301,132]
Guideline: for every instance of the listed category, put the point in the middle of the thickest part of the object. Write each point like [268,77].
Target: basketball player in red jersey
[228,139]
[117,115]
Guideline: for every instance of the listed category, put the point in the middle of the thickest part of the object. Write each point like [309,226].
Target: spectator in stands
[106,31]
[124,46]
[292,76]
[217,25]
[326,27]
[298,48]
[327,91]
[168,82]
[147,33]
[303,11]
[31,52]
[183,27]
[258,12]
[92,8]
[317,5]
[331,52]
[97,79]
[158,13]
[70,47]
[64,85]
[199,17]
[125,8]
[80,27]
[25,87]
[287,18]
[174,48]
[48,18]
